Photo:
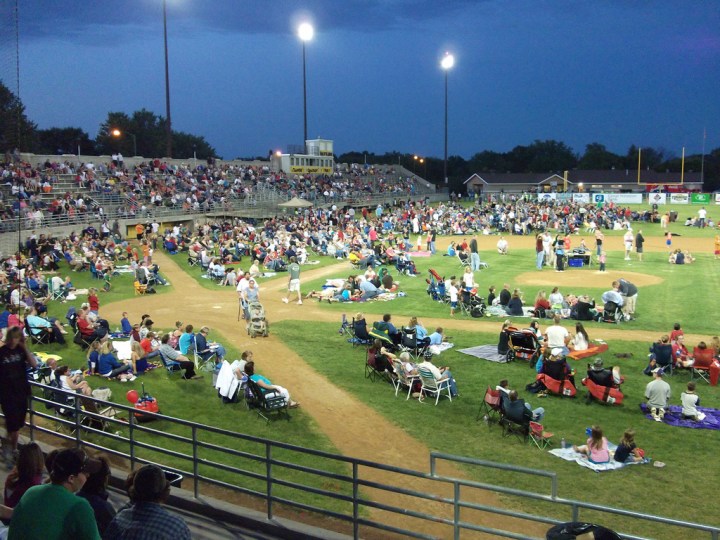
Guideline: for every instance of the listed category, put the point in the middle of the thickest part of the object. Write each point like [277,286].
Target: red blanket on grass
[592,350]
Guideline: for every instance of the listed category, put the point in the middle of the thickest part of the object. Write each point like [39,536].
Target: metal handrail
[353,480]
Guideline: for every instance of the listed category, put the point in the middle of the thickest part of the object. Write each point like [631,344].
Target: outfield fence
[347,493]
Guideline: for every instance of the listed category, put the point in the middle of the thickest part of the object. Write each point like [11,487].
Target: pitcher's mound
[582,277]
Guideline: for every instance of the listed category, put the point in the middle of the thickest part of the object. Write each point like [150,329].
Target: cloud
[89,21]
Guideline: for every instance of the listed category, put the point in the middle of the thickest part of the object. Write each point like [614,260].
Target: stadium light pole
[168,120]
[305,33]
[117,133]
[447,64]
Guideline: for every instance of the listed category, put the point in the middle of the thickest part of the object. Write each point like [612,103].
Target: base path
[353,427]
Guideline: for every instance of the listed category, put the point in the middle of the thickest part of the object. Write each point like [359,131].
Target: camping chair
[39,335]
[36,291]
[539,436]
[410,343]
[56,293]
[491,406]
[170,365]
[93,271]
[512,428]
[202,364]
[402,378]
[433,387]
[463,263]
[346,328]
[140,289]
[704,366]
[265,404]
[371,370]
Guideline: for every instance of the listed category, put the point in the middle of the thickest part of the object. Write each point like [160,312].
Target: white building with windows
[317,159]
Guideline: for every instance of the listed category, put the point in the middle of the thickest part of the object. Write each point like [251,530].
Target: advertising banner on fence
[679,198]
[581,198]
[618,198]
[700,198]
[657,198]
[547,197]
[717,198]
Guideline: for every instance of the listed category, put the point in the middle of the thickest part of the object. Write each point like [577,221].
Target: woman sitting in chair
[266,387]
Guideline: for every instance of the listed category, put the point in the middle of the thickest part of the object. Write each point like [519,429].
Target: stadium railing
[205,466]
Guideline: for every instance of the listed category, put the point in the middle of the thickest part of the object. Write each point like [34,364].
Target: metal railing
[347,504]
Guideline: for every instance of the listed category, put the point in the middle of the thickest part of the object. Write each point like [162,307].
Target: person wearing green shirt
[293,281]
[53,511]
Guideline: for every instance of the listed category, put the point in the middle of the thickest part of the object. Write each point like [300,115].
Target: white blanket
[568,454]
[227,383]
[123,349]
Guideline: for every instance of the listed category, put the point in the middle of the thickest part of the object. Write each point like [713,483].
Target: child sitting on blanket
[596,447]
[627,451]
[690,401]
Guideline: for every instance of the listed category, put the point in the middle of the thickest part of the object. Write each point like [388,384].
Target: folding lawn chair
[491,406]
[539,436]
[265,404]
[432,387]
[402,379]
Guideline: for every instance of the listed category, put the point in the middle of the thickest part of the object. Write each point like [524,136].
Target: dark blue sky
[619,72]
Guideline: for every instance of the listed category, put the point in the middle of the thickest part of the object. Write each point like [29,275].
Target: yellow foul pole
[682,167]
[639,153]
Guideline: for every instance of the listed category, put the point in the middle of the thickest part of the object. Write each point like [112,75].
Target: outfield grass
[686,294]
[452,427]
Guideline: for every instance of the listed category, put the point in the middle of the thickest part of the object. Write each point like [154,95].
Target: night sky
[619,72]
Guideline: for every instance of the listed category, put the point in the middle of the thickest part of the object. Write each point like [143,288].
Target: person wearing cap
[147,518]
[602,376]
[53,511]
[657,394]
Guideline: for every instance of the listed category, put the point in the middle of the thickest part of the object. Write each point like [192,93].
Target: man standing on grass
[293,281]
[474,255]
[639,241]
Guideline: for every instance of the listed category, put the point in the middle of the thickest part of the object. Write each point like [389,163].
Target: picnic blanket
[485,352]
[419,253]
[568,454]
[592,350]
[673,416]
[438,349]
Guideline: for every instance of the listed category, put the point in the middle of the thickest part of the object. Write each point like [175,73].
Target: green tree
[16,130]
[551,156]
[186,145]
[597,157]
[63,141]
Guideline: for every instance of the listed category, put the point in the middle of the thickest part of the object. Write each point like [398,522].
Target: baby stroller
[257,325]
[611,313]
[523,345]
[472,304]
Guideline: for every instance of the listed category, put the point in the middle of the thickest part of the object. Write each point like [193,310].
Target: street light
[168,123]
[305,33]
[447,64]
[117,133]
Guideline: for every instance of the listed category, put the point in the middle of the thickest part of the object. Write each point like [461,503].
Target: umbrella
[295,202]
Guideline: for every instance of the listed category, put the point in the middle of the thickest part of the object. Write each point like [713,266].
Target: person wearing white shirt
[557,336]
[453,293]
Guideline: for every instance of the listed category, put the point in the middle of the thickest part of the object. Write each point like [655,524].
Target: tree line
[547,156]
[142,133]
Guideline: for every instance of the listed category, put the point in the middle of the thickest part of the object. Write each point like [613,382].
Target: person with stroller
[504,339]
[612,300]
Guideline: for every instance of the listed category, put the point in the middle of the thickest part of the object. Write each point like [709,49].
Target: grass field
[685,294]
